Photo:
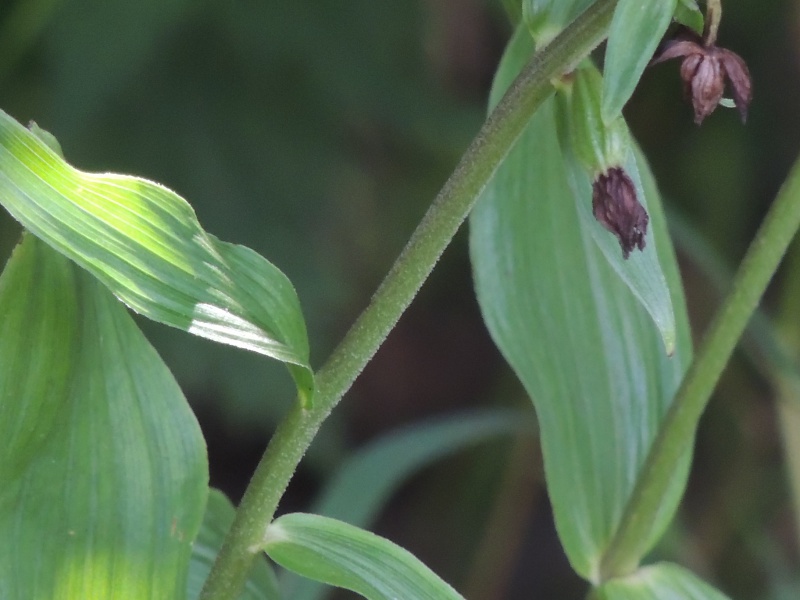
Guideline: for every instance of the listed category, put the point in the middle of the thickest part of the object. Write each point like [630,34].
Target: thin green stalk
[677,432]
[437,228]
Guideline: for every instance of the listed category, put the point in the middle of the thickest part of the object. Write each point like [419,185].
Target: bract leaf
[662,581]
[688,13]
[636,30]
[579,340]
[261,583]
[103,465]
[144,243]
[641,271]
[345,556]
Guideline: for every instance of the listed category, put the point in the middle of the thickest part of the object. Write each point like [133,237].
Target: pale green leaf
[103,466]
[580,341]
[365,482]
[662,581]
[345,556]
[261,583]
[143,241]
[636,30]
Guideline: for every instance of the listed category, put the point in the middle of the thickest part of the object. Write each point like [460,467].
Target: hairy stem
[676,435]
[437,228]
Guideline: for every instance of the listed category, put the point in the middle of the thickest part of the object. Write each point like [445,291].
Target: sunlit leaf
[261,583]
[345,556]
[365,482]
[636,30]
[582,344]
[143,241]
[662,581]
[103,466]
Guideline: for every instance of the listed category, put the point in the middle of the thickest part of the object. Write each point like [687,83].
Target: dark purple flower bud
[705,69]
[617,208]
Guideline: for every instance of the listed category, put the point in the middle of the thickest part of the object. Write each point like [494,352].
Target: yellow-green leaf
[144,242]
[103,466]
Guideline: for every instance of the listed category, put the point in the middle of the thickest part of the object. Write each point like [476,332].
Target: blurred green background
[317,133]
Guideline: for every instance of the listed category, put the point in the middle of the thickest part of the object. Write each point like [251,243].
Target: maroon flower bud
[704,70]
[616,207]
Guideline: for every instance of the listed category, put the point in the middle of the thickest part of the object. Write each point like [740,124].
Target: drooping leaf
[636,30]
[261,583]
[345,556]
[364,483]
[581,343]
[103,466]
[144,243]
[662,581]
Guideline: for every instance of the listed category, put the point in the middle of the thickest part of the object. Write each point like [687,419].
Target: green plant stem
[676,435]
[437,228]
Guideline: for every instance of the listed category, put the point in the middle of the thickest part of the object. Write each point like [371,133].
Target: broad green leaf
[581,343]
[636,30]
[261,583]
[662,581]
[103,466]
[345,556]
[365,482]
[144,243]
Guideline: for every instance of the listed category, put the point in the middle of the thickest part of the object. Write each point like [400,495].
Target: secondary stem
[677,432]
[437,228]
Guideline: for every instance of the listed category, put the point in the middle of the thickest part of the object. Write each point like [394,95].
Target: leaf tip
[668,337]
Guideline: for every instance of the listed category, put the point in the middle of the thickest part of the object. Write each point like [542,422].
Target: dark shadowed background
[317,133]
